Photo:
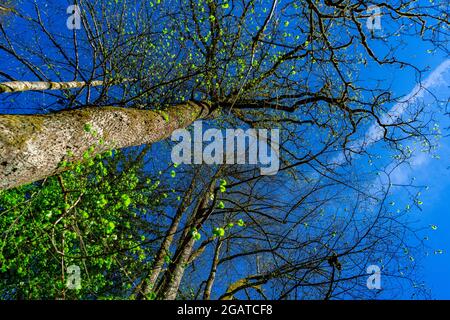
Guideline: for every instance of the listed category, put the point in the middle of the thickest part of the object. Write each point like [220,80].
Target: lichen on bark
[33,146]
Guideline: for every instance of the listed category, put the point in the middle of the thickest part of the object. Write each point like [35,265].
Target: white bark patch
[34,155]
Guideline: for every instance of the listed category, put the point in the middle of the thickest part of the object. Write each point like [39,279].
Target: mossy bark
[32,147]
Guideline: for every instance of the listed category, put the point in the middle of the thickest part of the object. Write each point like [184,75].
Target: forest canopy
[91,92]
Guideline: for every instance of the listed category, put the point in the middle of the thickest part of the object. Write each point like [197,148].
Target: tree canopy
[87,178]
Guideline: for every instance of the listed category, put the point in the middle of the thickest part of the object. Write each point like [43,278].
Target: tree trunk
[20,86]
[170,282]
[173,276]
[150,281]
[4,9]
[33,146]
[212,273]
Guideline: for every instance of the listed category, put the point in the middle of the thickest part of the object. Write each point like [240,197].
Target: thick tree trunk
[33,146]
[20,86]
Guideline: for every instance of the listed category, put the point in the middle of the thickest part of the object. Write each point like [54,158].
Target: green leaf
[87,127]
[125,200]
[219,232]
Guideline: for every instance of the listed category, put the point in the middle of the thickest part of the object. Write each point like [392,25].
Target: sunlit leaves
[96,221]
[219,232]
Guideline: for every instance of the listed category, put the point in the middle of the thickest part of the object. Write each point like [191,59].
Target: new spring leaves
[228,147]
[214,152]
[373,22]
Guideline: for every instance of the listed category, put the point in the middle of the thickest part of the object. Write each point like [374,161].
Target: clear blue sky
[426,170]
[435,174]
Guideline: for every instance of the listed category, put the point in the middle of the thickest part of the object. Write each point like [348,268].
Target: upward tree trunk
[170,282]
[19,86]
[4,9]
[33,146]
[172,279]
[150,281]
[212,273]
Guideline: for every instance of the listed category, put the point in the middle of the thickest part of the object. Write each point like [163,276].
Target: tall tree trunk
[212,273]
[173,276]
[168,287]
[20,86]
[150,281]
[33,146]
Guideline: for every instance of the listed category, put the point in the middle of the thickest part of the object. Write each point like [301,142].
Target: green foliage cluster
[92,216]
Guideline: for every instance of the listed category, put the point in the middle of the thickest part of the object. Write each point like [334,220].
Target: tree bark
[173,276]
[150,281]
[170,282]
[4,9]
[33,146]
[20,86]
[212,273]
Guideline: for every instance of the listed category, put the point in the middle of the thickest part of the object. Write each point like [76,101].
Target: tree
[248,64]
[252,65]
[18,86]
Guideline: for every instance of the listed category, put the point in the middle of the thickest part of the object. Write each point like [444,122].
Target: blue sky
[429,171]
[425,169]
[435,174]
